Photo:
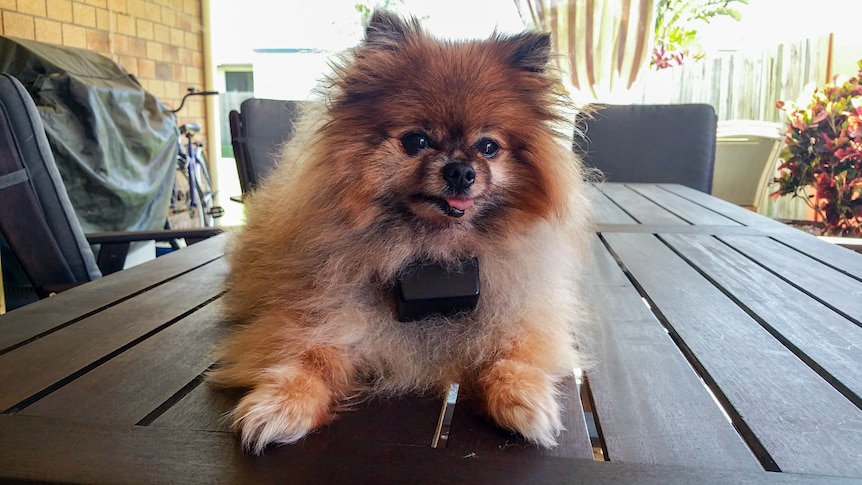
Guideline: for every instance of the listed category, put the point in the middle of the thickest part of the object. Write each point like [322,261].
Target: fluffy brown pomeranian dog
[424,151]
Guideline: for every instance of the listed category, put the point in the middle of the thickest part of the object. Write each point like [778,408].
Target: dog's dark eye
[414,143]
[488,148]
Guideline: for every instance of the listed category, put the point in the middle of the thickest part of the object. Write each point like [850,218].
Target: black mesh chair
[672,143]
[257,132]
[41,235]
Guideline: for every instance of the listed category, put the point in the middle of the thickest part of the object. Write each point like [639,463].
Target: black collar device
[425,289]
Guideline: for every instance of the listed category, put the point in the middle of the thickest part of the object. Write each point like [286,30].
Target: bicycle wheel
[205,190]
[196,202]
[183,212]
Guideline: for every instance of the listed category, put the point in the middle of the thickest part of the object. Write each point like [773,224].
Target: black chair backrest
[650,143]
[36,217]
[258,131]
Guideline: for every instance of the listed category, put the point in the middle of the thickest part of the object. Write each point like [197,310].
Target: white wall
[294,75]
[329,27]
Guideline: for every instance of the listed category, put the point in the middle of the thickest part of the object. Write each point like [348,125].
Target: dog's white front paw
[521,397]
[282,413]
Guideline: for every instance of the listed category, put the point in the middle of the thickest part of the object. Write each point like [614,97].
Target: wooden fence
[740,85]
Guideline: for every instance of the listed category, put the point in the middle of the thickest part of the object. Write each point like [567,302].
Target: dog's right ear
[387,30]
[531,51]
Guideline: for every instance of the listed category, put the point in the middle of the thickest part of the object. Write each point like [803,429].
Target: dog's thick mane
[328,231]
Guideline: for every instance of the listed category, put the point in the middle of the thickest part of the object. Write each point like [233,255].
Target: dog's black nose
[459,175]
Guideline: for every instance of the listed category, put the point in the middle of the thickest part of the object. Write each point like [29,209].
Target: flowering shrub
[823,151]
[662,58]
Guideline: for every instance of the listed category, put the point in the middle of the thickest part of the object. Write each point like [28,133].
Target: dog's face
[445,136]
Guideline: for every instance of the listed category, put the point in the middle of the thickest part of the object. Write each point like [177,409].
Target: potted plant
[823,155]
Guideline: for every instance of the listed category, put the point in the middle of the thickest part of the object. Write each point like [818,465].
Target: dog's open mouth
[455,206]
[450,206]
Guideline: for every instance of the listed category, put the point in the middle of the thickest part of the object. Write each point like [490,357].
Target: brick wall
[159,41]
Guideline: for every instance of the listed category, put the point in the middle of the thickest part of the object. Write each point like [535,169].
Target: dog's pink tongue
[460,204]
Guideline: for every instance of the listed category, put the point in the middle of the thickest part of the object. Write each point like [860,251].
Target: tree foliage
[676,28]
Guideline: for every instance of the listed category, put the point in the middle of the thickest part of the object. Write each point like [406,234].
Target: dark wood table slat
[727,209]
[681,207]
[822,336]
[639,207]
[39,448]
[650,404]
[802,422]
[122,389]
[820,280]
[204,408]
[831,254]
[677,229]
[603,269]
[30,369]
[472,432]
[407,420]
[32,320]
[606,211]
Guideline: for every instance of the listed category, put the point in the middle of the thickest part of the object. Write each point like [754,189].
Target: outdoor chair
[746,157]
[37,220]
[649,143]
[258,130]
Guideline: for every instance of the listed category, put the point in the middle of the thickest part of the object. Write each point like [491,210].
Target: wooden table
[728,349]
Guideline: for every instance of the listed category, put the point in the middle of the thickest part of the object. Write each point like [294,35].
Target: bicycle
[192,183]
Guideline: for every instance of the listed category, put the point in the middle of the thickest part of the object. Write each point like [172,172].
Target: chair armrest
[196,234]
[115,244]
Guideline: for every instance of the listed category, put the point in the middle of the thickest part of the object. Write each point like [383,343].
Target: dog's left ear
[531,51]
[388,30]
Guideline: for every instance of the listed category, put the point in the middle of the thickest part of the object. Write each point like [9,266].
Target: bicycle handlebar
[193,92]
